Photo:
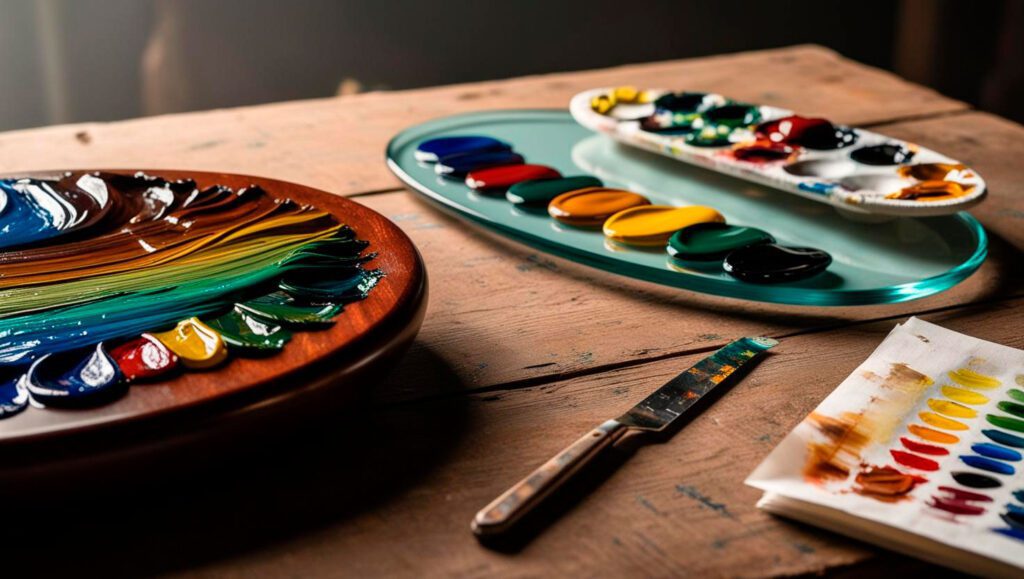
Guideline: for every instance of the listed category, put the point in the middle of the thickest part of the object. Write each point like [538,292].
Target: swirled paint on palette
[110,279]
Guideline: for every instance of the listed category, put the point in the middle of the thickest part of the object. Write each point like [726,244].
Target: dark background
[95,60]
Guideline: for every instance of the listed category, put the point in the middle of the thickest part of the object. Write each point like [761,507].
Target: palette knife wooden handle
[505,510]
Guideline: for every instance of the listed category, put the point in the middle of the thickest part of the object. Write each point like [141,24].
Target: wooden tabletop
[521,352]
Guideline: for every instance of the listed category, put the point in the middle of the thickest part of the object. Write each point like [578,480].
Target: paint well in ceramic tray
[810,157]
[872,263]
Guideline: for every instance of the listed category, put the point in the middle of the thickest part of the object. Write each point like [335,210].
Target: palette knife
[654,413]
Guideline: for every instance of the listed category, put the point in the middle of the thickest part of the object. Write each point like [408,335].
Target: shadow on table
[252,494]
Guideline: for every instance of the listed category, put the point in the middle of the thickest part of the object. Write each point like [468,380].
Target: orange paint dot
[932,435]
[592,206]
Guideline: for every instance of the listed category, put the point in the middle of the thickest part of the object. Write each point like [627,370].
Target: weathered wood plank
[337,143]
[672,509]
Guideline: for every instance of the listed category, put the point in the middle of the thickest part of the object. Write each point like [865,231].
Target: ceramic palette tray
[189,297]
[856,170]
[901,259]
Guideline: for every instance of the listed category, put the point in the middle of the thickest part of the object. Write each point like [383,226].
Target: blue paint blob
[987,464]
[1015,508]
[13,393]
[433,149]
[24,220]
[457,166]
[1019,495]
[76,378]
[817,187]
[1004,437]
[995,451]
[1012,533]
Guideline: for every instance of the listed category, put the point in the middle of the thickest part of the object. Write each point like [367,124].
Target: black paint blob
[975,480]
[773,263]
[888,154]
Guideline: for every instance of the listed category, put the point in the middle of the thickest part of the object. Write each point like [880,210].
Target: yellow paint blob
[652,225]
[953,409]
[627,95]
[198,345]
[592,206]
[942,422]
[964,396]
[602,103]
[932,435]
[972,379]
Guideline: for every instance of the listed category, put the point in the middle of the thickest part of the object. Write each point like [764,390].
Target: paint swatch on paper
[925,438]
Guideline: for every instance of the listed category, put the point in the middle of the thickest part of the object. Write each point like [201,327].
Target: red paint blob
[962,495]
[955,506]
[914,461]
[924,448]
[790,129]
[763,152]
[143,358]
[505,177]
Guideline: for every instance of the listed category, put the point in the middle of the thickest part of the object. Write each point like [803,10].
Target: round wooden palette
[314,364]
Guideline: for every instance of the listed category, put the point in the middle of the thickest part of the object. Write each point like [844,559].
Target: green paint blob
[1006,422]
[1015,394]
[713,241]
[710,136]
[733,115]
[1012,407]
[542,191]
[280,308]
[331,285]
[247,335]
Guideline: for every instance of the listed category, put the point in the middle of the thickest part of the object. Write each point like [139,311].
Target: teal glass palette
[893,261]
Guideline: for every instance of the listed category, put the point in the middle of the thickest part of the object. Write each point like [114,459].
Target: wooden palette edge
[364,334]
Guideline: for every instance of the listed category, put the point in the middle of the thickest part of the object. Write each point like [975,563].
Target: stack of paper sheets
[919,450]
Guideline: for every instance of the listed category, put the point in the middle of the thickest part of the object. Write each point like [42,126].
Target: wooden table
[521,352]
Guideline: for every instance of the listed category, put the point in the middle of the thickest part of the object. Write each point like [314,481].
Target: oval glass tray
[898,260]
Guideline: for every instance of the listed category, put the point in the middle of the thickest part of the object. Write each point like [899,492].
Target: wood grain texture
[337,144]
[670,509]
[521,352]
[365,326]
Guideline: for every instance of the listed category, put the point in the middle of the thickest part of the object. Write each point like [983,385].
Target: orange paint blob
[932,191]
[935,171]
[932,435]
[592,206]
[834,457]
[884,483]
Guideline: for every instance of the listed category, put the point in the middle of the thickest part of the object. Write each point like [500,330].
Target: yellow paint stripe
[964,396]
[942,422]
